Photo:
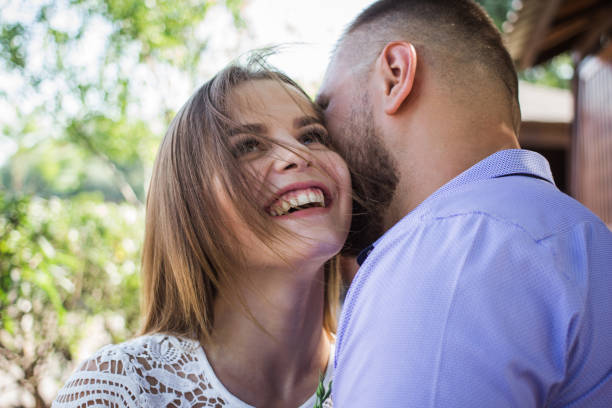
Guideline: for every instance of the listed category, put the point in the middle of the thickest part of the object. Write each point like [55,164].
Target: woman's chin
[317,254]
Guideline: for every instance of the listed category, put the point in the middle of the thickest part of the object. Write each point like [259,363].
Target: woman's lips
[297,200]
[299,196]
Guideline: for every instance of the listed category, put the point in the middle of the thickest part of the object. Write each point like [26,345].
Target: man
[488,287]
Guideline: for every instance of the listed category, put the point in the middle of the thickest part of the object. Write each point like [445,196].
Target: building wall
[551,140]
[591,169]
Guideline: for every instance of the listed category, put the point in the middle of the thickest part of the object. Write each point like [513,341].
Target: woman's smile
[298,180]
[299,197]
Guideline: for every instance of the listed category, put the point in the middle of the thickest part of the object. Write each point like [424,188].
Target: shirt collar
[503,163]
[363,255]
[500,164]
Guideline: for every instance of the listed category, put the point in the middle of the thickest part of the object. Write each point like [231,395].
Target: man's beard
[373,174]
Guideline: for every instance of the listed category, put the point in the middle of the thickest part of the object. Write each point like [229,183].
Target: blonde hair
[188,258]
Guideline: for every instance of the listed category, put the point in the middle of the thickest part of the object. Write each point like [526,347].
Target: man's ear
[397,67]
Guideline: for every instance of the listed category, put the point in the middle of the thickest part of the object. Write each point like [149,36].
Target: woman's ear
[397,67]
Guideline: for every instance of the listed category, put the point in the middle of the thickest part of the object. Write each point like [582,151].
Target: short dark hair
[446,31]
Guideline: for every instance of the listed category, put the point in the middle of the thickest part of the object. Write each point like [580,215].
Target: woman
[247,206]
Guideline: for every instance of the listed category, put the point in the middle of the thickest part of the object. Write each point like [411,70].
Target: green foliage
[160,26]
[557,72]
[92,96]
[65,265]
[74,77]
[11,45]
[497,9]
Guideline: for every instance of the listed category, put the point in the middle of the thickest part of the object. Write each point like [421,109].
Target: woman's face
[302,185]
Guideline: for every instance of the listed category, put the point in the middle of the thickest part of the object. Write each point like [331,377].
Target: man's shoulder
[531,205]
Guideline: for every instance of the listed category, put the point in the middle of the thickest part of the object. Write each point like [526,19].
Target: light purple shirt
[496,291]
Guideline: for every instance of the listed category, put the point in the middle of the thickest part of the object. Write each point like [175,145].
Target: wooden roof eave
[543,29]
[532,26]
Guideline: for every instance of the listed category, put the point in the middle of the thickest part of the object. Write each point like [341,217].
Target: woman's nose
[289,158]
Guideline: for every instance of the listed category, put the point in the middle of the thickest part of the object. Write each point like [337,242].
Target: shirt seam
[568,228]
[435,220]
[589,392]
[494,218]
[424,211]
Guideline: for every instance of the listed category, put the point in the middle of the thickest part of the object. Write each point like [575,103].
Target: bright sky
[305,30]
[316,24]
[308,29]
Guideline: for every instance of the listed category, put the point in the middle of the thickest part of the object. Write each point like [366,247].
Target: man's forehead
[340,55]
[333,74]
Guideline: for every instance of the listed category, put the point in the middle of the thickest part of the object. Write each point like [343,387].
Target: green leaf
[322,393]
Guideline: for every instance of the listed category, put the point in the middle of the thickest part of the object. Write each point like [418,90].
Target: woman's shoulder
[160,347]
[154,348]
[122,373]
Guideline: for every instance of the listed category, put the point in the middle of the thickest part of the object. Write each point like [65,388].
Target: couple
[480,284]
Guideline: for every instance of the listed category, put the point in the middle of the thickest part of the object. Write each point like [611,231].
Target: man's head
[455,38]
[408,83]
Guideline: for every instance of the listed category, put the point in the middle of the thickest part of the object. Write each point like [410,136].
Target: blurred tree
[497,9]
[557,72]
[76,82]
[70,278]
[78,72]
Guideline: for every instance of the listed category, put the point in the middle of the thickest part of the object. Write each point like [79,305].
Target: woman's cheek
[343,177]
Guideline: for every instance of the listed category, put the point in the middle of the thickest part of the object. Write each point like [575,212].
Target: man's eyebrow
[252,128]
[305,121]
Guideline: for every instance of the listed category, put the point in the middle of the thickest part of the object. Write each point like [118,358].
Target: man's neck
[424,172]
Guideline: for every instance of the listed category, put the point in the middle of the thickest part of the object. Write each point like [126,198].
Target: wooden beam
[547,13]
[601,24]
[518,34]
[565,31]
[571,7]
[606,52]
[545,135]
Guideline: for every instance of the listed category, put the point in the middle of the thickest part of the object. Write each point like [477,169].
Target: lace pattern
[150,371]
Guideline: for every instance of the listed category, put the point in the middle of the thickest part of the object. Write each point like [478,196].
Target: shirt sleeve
[103,380]
[463,311]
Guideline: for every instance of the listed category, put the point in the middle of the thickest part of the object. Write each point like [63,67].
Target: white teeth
[303,199]
[296,199]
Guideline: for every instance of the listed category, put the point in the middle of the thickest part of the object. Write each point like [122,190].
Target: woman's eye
[246,146]
[314,136]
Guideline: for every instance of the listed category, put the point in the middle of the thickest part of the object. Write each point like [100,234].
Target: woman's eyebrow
[305,121]
[252,128]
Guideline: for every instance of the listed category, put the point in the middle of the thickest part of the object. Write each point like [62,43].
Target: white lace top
[159,370]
